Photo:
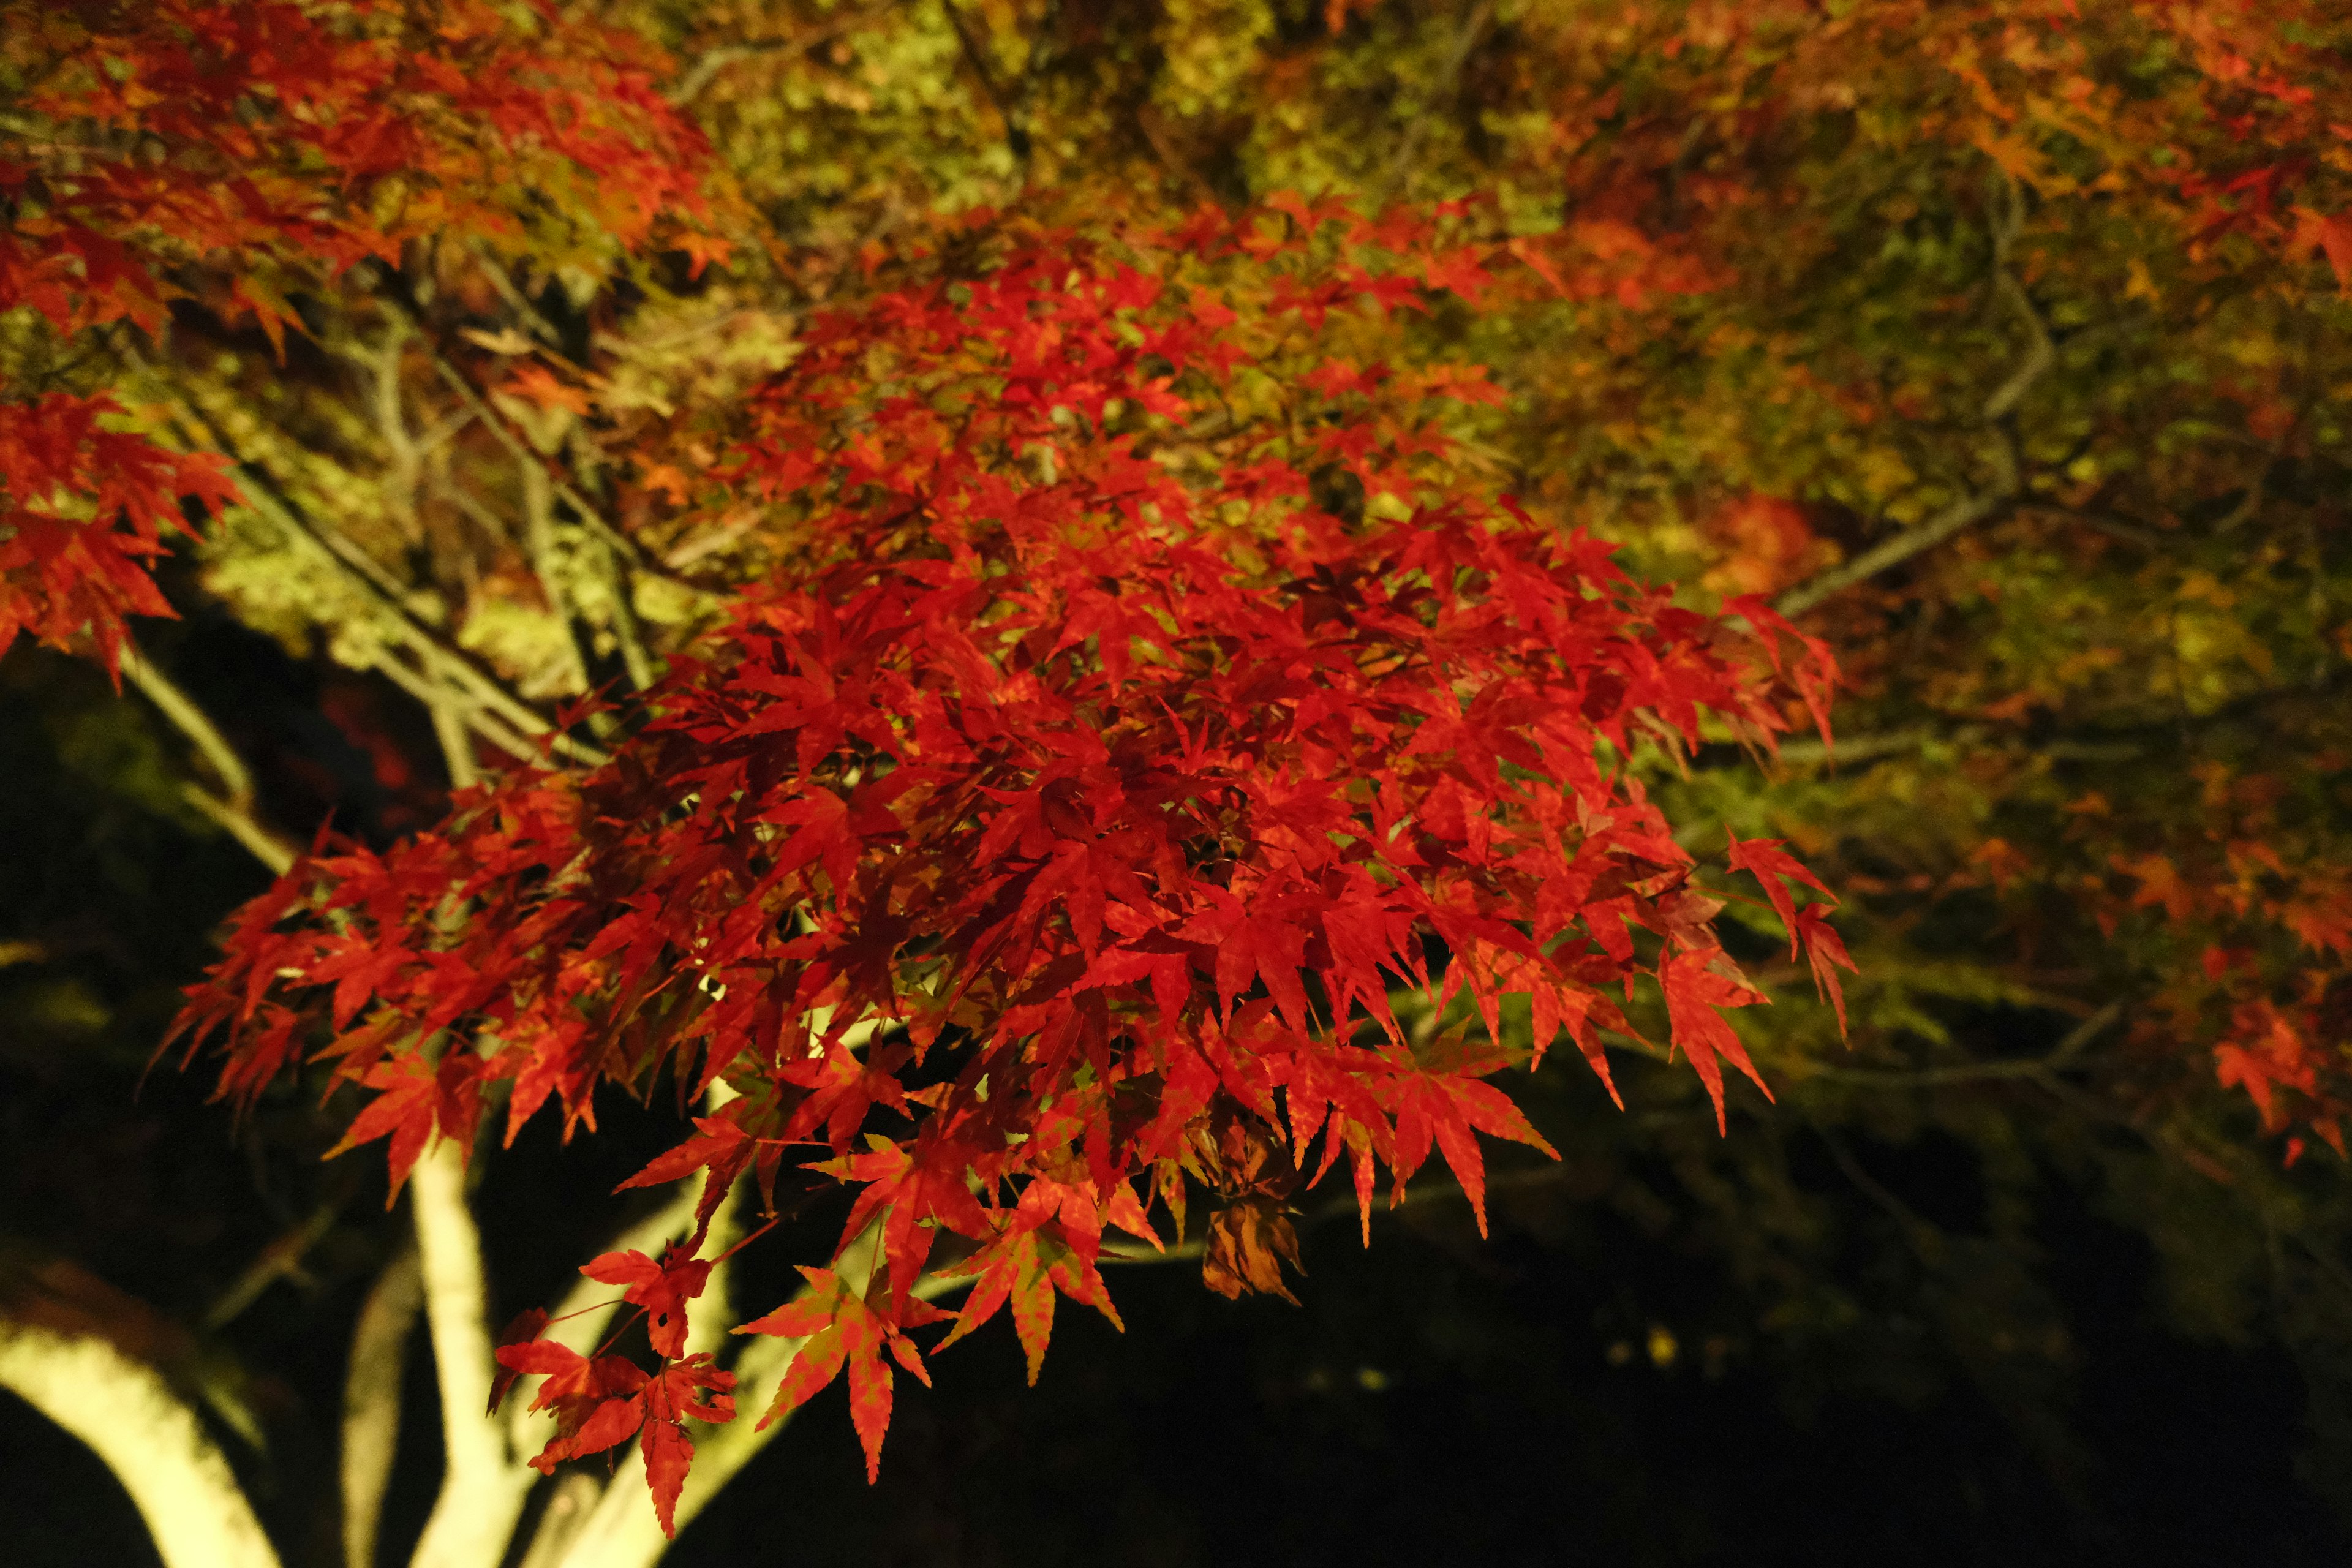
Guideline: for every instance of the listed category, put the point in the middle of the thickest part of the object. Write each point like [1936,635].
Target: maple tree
[1054,670]
[1061,774]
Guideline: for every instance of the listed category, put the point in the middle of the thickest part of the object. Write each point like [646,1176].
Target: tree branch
[81,1353]
[483,1488]
[372,1389]
[1007,105]
[2040,1067]
[1964,513]
[539,544]
[707,65]
[236,809]
[359,571]
[435,696]
[579,1319]
[578,1323]
[280,1259]
[1473,27]
[525,454]
[2041,354]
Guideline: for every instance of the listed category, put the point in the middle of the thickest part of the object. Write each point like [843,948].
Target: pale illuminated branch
[80,1353]
[407,463]
[484,1488]
[539,544]
[503,281]
[526,455]
[456,745]
[539,533]
[540,476]
[359,571]
[258,841]
[626,628]
[434,696]
[372,1388]
[568,1511]
[448,664]
[182,710]
[234,809]
[578,1323]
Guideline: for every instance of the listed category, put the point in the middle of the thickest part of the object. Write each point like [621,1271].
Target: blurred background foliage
[2037,306]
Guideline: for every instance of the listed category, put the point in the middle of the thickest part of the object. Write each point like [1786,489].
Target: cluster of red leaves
[600,1401]
[2270,85]
[233,153]
[2258,909]
[83,510]
[1061,815]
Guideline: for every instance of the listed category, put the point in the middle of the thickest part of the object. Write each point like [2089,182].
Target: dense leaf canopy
[1032,609]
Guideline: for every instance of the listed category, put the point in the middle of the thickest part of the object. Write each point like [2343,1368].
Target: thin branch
[2256,492]
[632,554]
[524,453]
[625,555]
[1923,1238]
[1960,515]
[1008,109]
[236,809]
[2081,744]
[372,1397]
[2060,1056]
[578,1319]
[2040,354]
[710,62]
[708,1330]
[81,1353]
[1345,1208]
[539,543]
[256,840]
[362,572]
[579,1323]
[503,281]
[1473,27]
[281,1260]
[433,696]
[707,65]
[229,769]
[628,630]
[2113,526]
[2008,482]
